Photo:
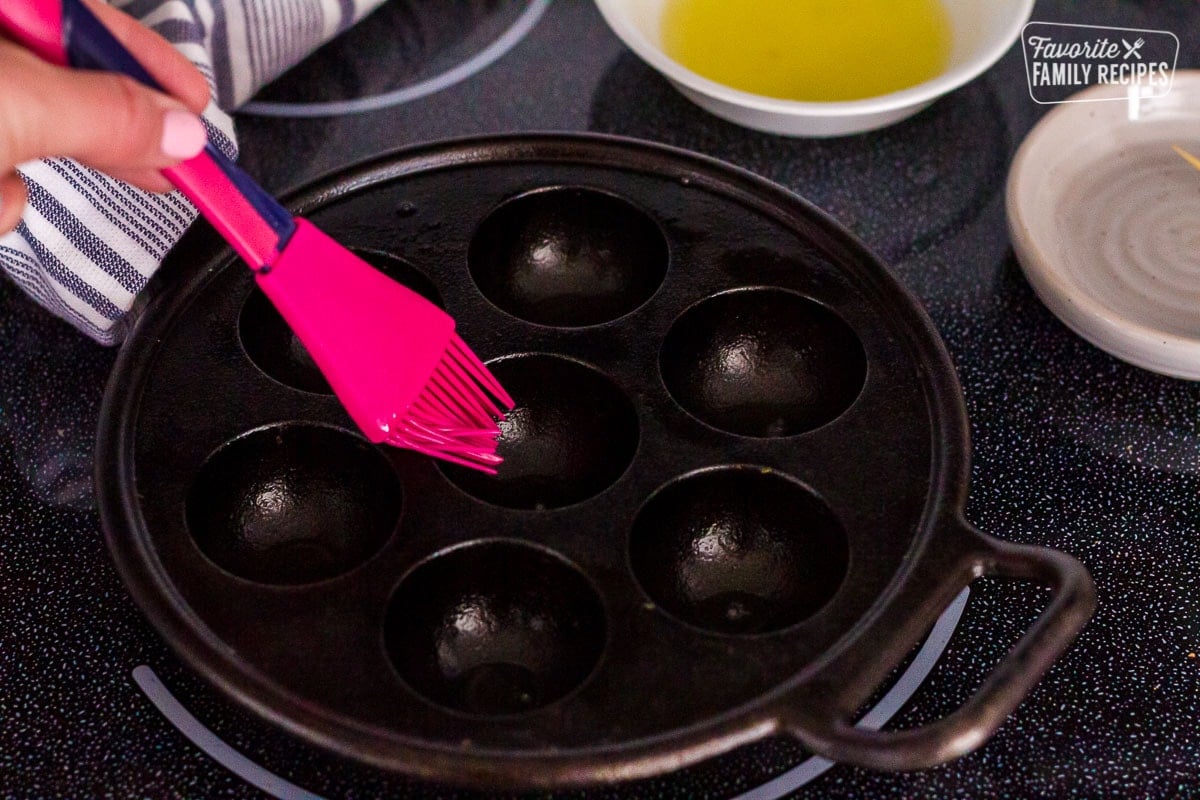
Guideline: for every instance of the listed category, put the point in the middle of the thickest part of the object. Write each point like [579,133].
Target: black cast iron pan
[732,499]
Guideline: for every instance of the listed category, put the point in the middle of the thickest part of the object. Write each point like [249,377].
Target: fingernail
[183,135]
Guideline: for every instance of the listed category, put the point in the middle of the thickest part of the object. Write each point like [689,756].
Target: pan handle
[1071,605]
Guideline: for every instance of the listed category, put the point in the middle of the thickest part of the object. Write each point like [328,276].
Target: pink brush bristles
[392,357]
[457,416]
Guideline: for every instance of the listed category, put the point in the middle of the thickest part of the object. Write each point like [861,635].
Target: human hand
[108,122]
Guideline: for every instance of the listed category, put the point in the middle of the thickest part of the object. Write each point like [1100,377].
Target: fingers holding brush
[105,121]
[178,77]
[12,200]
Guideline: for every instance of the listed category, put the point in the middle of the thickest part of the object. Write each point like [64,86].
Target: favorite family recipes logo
[1062,59]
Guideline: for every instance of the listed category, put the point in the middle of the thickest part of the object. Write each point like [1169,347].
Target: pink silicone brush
[391,356]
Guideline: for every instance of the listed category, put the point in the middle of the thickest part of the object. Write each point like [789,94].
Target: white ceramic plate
[1105,220]
[982,31]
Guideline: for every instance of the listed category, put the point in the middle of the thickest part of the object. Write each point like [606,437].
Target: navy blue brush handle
[90,45]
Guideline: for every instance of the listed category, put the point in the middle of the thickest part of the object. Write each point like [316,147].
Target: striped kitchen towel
[87,244]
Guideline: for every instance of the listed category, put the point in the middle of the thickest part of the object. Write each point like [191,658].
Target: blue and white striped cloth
[87,244]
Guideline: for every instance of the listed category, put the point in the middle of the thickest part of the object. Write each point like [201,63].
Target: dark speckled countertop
[1071,448]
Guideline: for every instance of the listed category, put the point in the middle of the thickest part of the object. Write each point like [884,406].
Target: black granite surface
[1072,448]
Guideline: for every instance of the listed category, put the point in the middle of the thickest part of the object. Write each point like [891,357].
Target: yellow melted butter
[812,50]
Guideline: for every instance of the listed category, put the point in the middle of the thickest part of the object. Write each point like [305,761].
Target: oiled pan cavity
[495,628]
[571,435]
[568,257]
[293,504]
[738,550]
[763,362]
[276,350]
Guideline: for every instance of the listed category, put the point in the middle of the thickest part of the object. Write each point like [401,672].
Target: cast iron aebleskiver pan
[732,499]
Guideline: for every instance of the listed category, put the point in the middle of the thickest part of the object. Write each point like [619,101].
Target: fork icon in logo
[1131,50]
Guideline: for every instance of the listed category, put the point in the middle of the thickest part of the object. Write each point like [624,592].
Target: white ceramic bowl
[983,30]
[1105,220]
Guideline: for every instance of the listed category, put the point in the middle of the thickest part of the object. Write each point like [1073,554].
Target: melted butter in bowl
[812,50]
[817,67]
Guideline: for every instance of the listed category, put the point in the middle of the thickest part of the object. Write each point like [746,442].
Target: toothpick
[1188,157]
